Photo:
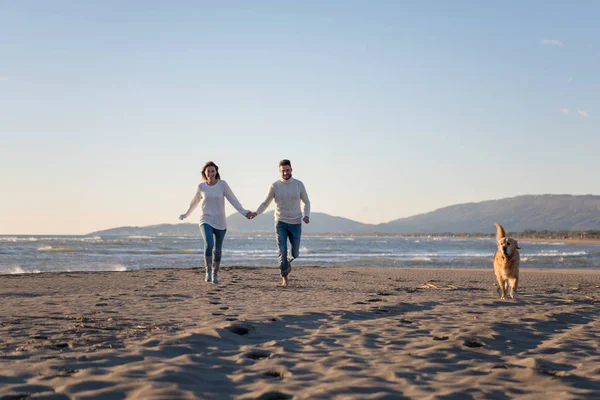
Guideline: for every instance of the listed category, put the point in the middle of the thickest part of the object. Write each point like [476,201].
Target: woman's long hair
[210,164]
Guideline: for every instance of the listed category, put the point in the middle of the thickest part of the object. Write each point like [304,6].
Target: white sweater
[212,203]
[287,196]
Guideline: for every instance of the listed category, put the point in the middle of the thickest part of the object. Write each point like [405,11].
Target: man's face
[286,172]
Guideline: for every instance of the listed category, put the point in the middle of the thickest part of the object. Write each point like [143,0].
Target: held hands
[251,214]
[182,217]
[306,220]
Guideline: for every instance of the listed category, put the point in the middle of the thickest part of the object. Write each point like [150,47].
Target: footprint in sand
[274,395]
[257,354]
[374,300]
[239,329]
[379,310]
[473,342]
[274,374]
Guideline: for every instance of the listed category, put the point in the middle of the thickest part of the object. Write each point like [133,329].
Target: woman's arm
[233,200]
[193,204]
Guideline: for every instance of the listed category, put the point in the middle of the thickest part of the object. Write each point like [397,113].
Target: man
[287,193]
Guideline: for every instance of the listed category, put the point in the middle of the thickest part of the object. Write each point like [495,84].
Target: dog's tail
[499,231]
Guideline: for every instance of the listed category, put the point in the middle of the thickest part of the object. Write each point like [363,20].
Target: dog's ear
[516,244]
[499,231]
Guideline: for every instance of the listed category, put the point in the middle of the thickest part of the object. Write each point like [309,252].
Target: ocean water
[34,254]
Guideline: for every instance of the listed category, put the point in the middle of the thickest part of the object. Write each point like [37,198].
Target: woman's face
[211,173]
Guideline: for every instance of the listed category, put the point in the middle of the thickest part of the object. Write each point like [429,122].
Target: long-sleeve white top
[212,203]
[287,195]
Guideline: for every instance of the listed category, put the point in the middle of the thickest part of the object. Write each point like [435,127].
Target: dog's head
[508,246]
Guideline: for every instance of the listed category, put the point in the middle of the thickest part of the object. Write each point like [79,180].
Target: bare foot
[284,281]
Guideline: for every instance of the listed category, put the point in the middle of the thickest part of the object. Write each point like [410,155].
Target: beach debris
[552,372]
[429,285]
[63,373]
[273,374]
[473,342]
[440,337]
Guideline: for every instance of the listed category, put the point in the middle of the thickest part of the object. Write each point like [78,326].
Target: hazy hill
[516,214]
[319,223]
[236,223]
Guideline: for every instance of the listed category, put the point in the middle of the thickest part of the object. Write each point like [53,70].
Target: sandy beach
[358,333]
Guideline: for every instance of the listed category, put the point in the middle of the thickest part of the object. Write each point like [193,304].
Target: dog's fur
[506,262]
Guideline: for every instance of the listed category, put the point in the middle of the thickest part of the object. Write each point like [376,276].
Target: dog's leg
[513,287]
[501,286]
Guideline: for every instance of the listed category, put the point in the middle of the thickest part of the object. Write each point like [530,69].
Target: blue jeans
[213,239]
[283,232]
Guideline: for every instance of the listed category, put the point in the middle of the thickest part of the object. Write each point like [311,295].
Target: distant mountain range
[516,214]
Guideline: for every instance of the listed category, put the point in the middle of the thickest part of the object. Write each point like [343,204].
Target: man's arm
[267,201]
[306,201]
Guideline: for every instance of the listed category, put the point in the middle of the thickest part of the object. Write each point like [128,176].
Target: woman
[211,194]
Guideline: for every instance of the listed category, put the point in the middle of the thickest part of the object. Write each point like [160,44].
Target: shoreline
[573,241]
[335,332]
[524,269]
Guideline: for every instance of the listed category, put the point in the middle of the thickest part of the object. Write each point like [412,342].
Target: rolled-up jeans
[213,241]
[283,232]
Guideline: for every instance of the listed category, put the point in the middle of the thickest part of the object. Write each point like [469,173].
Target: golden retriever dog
[506,262]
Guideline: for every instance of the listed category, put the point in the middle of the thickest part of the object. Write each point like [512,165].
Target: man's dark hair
[285,162]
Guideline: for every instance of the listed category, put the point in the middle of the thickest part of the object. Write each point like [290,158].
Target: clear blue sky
[387,109]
